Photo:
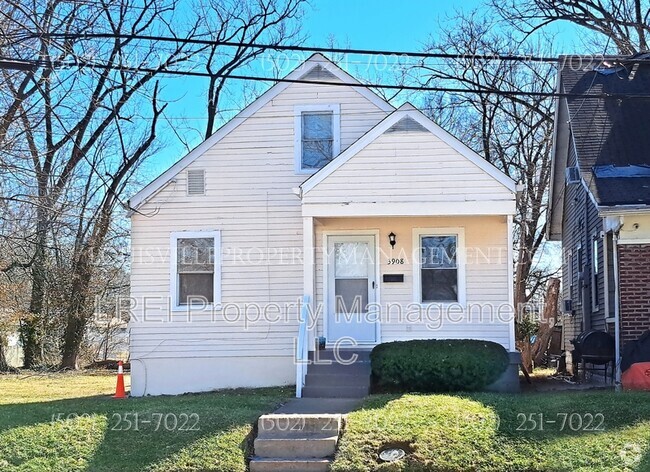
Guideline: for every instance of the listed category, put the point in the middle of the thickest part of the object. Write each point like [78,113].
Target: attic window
[196,182]
[317,134]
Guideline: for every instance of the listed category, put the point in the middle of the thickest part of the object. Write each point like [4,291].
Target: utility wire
[419,88]
[237,44]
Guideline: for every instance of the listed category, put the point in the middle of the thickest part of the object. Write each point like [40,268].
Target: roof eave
[314,60]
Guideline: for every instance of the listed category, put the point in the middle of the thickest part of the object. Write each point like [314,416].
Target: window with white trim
[317,136]
[439,268]
[195,268]
[580,268]
[595,272]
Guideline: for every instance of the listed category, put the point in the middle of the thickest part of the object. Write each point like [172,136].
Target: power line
[253,78]
[279,47]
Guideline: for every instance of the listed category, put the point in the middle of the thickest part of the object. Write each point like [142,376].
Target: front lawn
[68,422]
[581,431]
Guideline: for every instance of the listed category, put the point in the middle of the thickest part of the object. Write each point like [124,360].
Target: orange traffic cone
[119,389]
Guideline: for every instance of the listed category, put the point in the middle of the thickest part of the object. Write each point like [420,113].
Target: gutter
[617,313]
[623,210]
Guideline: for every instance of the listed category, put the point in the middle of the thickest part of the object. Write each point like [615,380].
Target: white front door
[351,285]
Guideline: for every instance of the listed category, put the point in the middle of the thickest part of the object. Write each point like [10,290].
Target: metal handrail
[302,348]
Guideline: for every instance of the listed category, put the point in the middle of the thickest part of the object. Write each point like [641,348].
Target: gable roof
[316,68]
[609,135]
[611,138]
[407,117]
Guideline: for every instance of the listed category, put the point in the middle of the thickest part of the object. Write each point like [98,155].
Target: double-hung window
[317,133]
[195,268]
[439,269]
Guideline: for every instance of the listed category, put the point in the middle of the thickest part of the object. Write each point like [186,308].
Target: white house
[321,192]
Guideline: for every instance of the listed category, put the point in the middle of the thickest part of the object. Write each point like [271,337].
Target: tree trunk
[29,326]
[4,366]
[526,357]
[548,321]
[74,333]
[77,311]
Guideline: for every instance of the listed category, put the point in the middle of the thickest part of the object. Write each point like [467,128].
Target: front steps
[341,374]
[295,442]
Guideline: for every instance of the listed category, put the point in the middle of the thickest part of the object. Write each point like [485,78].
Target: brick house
[599,204]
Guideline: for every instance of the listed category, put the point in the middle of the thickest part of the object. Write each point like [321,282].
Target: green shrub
[437,365]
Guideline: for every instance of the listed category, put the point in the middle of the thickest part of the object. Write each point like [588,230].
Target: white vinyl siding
[409,167]
[250,200]
[486,275]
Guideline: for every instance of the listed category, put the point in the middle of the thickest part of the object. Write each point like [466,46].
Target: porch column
[309,265]
[511,282]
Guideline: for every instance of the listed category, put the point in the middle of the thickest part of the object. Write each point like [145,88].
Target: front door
[351,286]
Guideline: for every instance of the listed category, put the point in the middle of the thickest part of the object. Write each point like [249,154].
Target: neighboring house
[318,190]
[599,206]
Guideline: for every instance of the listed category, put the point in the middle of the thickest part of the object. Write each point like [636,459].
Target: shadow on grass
[644,464]
[495,432]
[199,432]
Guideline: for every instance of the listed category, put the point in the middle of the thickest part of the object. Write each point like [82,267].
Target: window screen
[439,268]
[317,139]
[195,269]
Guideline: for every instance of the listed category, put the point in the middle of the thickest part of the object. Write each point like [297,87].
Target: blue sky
[379,24]
[349,23]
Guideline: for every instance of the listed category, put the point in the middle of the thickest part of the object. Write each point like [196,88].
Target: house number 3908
[394,261]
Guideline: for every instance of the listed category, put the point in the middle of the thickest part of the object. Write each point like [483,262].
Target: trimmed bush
[437,365]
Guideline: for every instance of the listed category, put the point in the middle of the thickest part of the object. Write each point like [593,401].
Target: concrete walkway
[319,406]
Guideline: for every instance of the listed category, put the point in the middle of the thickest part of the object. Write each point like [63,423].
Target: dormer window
[317,130]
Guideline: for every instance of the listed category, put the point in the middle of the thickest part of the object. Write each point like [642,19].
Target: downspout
[617,314]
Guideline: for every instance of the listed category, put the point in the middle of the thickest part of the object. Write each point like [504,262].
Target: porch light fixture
[391,239]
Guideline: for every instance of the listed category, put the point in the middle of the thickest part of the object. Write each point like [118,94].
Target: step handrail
[302,348]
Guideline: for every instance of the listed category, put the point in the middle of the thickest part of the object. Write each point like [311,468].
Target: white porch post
[511,282]
[309,265]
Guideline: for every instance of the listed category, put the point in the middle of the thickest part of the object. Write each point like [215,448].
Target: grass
[494,432]
[68,422]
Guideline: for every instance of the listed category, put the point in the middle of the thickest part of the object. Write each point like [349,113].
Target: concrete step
[359,368]
[316,446]
[344,356]
[339,380]
[298,425]
[335,391]
[261,464]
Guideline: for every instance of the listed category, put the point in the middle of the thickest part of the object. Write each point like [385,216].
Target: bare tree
[246,22]
[82,134]
[81,118]
[511,131]
[624,22]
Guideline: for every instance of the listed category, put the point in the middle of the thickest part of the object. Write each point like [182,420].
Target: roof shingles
[611,131]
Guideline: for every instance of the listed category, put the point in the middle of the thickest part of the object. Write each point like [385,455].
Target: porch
[369,280]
